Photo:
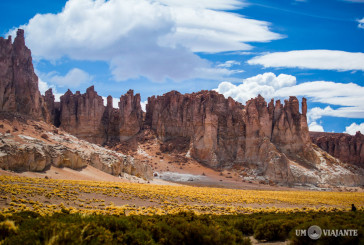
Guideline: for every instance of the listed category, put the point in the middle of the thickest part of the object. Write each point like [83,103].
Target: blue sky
[305,48]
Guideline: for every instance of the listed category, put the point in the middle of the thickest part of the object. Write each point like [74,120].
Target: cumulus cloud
[151,38]
[265,84]
[353,128]
[361,23]
[312,59]
[73,79]
[346,98]
[315,127]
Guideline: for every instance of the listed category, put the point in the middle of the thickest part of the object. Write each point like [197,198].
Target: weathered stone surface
[18,82]
[347,148]
[85,116]
[81,114]
[212,125]
[25,153]
[223,133]
[131,115]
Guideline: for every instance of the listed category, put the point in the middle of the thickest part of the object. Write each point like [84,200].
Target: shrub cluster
[183,228]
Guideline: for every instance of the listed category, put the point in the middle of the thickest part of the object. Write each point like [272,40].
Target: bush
[246,226]
[7,228]
[270,231]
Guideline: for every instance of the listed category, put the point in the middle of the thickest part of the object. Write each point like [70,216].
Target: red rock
[222,132]
[85,116]
[19,84]
[348,148]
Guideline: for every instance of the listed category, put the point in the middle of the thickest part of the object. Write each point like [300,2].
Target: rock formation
[348,148]
[271,141]
[85,116]
[36,148]
[18,82]
[81,114]
[222,132]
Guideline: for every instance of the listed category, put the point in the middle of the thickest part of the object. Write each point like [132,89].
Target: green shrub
[7,228]
[246,226]
[270,231]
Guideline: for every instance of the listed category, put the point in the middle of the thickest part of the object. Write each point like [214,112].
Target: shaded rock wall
[85,116]
[347,148]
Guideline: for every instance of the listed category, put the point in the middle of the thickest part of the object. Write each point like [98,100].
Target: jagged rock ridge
[348,148]
[85,116]
[272,140]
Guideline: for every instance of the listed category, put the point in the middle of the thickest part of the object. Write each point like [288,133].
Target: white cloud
[353,128]
[73,79]
[151,38]
[208,4]
[115,102]
[315,127]
[265,84]
[348,98]
[229,64]
[144,105]
[43,87]
[312,59]
[361,23]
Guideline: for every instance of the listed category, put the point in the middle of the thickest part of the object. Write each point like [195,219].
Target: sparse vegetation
[79,212]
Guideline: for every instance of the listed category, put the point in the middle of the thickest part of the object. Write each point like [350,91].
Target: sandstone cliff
[18,82]
[348,148]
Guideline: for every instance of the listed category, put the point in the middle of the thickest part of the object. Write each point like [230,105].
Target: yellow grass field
[47,196]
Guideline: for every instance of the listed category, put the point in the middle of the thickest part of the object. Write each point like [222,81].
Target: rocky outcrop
[222,132]
[347,148]
[85,116]
[81,114]
[25,153]
[18,82]
[212,125]
[269,140]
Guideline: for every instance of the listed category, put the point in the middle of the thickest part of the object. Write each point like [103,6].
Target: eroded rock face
[18,82]
[85,116]
[81,114]
[212,125]
[347,148]
[223,132]
[25,153]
